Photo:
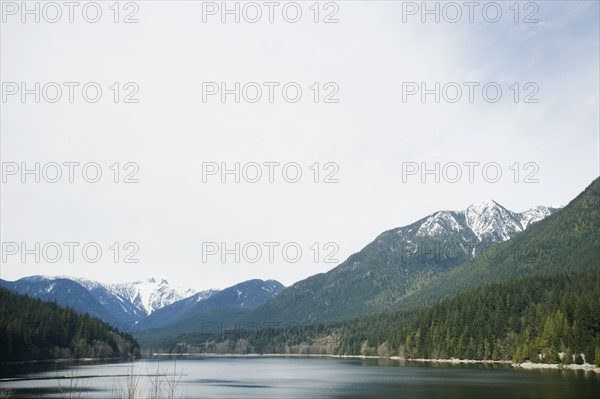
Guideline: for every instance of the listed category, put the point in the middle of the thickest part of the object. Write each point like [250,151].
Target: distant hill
[226,306]
[244,296]
[31,329]
[118,304]
[68,293]
[146,304]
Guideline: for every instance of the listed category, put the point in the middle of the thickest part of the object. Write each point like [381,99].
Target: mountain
[532,318]
[35,330]
[488,221]
[525,299]
[567,241]
[147,296]
[67,293]
[174,311]
[542,319]
[147,304]
[398,263]
[118,304]
[535,297]
[226,305]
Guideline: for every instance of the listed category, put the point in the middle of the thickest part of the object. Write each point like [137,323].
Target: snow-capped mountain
[219,305]
[125,305]
[535,214]
[146,296]
[98,302]
[118,304]
[151,294]
[395,264]
[488,221]
[399,262]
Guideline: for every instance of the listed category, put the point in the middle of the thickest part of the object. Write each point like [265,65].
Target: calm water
[265,377]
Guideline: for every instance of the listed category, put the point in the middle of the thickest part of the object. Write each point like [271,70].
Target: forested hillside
[31,329]
[534,318]
[396,264]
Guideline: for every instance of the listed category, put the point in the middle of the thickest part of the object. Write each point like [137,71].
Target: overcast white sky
[369,133]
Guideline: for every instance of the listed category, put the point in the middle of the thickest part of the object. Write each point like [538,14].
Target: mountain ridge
[123,305]
[537,249]
[532,298]
[244,296]
[395,265]
[147,295]
[398,262]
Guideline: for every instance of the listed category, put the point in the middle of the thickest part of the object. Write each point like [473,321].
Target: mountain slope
[151,294]
[535,297]
[187,313]
[398,263]
[145,296]
[568,240]
[117,304]
[32,330]
[66,293]
[174,311]
[125,305]
[533,318]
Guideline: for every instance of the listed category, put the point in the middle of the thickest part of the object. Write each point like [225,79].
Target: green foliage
[373,280]
[381,277]
[292,339]
[31,329]
[534,319]
[566,241]
[207,322]
[535,297]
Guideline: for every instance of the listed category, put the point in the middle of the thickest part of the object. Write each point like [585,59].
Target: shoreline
[80,360]
[528,365]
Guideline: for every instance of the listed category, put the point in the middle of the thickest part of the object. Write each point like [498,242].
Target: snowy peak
[205,305]
[488,221]
[488,203]
[150,295]
[144,296]
[438,224]
[488,206]
[147,303]
[535,214]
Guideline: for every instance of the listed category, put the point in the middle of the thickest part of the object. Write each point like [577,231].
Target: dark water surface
[282,377]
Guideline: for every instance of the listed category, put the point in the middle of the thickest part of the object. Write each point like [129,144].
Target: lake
[297,377]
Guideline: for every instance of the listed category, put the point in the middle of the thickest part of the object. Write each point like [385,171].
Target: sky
[336,136]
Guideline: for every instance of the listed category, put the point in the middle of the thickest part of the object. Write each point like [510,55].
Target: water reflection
[280,377]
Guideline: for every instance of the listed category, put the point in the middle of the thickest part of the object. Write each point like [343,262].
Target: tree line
[31,329]
[542,319]
[552,319]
